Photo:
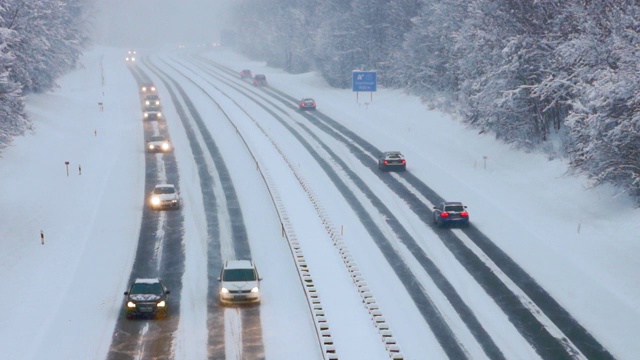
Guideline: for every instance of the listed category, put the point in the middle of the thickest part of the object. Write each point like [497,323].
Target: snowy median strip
[368,300]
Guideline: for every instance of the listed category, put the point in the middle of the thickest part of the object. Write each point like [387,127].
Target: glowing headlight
[144,88]
[159,114]
[224,290]
[162,304]
[146,115]
[165,146]
[155,200]
[153,88]
[151,147]
[255,290]
[157,102]
[131,304]
[147,102]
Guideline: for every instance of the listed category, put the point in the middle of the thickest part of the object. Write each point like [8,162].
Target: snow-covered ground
[64,296]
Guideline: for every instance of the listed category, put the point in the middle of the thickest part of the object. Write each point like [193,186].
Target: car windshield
[454,208]
[394,156]
[146,288]
[238,275]
[164,190]
[152,97]
[157,138]
[260,77]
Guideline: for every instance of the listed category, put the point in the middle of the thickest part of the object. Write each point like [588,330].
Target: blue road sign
[364,80]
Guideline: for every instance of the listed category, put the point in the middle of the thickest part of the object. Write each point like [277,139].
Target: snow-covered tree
[40,40]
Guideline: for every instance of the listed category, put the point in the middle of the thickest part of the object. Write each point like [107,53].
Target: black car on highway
[148,298]
[450,213]
[260,80]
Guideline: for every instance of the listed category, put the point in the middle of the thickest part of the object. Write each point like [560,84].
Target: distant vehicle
[152,113]
[164,196]
[239,282]
[131,52]
[148,88]
[260,80]
[130,58]
[147,297]
[246,74]
[151,100]
[158,143]
[307,104]
[450,213]
[392,160]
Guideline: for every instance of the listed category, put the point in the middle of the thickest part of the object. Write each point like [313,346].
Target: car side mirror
[168,292]
[218,278]
[126,293]
[435,207]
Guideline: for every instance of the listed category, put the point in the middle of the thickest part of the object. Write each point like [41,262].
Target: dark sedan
[307,104]
[147,297]
[450,213]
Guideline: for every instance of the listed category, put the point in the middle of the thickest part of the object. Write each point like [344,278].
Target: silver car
[392,160]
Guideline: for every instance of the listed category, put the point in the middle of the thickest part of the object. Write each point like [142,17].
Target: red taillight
[314,104]
[444,214]
[404,162]
[302,104]
[386,162]
[464,214]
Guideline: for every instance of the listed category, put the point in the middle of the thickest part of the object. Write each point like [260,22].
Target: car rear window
[454,208]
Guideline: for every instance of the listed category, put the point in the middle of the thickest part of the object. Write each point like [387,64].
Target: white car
[239,282]
[164,196]
[158,143]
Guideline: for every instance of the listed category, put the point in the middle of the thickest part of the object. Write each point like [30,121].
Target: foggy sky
[158,23]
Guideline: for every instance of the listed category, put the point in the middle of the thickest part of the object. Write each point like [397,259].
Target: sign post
[364,81]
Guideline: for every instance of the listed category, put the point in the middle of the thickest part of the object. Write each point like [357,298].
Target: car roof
[146,281]
[392,152]
[165,185]
[238,264]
